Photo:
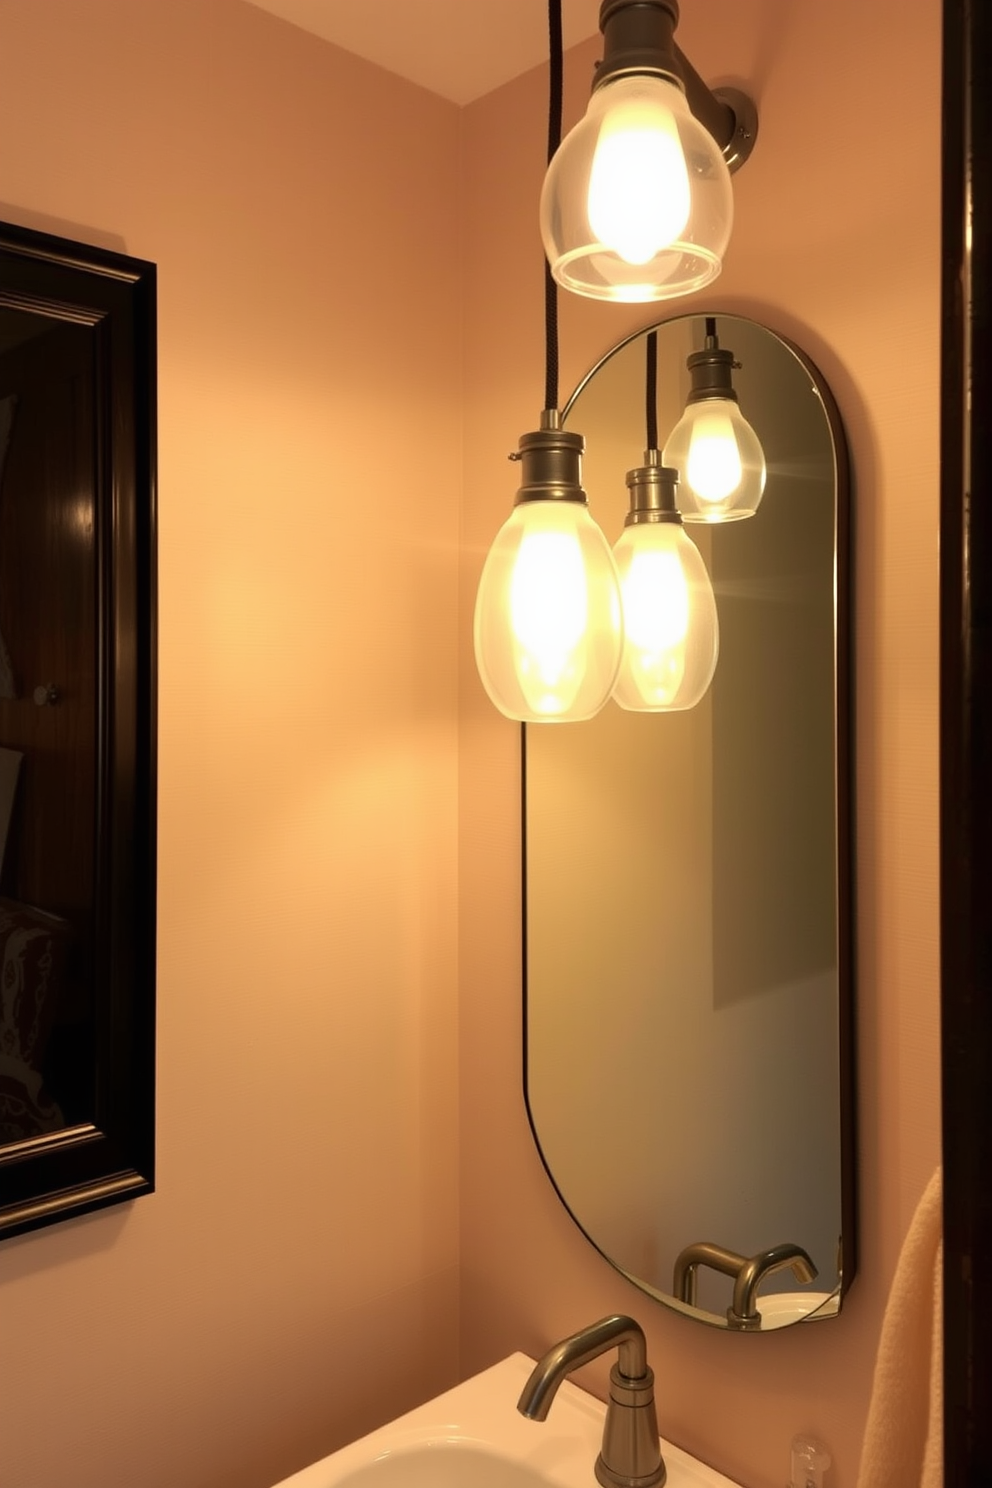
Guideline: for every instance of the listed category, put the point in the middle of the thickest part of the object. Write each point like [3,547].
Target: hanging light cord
[554,140]
[651,390]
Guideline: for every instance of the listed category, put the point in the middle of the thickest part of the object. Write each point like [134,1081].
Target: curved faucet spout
[631,1455]
[743,1312]
[578,1349]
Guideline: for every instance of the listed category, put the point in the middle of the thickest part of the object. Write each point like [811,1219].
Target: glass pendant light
[548,629]
[637,202]
[671,630]
[717,453]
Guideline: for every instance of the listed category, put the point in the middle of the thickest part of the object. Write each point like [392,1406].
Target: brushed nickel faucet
[631,1452]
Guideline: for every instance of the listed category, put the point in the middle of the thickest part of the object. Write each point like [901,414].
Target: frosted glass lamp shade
[637,203]
[720,462]
[671,630]
[548,629]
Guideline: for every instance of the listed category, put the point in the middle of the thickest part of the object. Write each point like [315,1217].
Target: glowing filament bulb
[639,196]
[720,460]
[714,468]
[671,632]
[548,617]
[548,629]
[656,621]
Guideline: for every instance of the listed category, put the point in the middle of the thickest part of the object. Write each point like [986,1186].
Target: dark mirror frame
[88,1165]
[966,739]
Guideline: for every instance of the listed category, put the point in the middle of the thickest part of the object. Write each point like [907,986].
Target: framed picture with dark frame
[77,728]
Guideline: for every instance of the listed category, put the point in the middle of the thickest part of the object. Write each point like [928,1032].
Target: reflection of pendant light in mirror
[717,453]
[671,631]
[637,202]
[548,627]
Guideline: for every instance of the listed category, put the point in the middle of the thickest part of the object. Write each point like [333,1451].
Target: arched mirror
[688,885]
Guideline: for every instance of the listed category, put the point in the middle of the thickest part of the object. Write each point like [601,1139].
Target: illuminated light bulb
[715,449]
[671,629]
[721,460]
[655,598]
[713,468]
[639,197]
[637,203]
[549,615]
[548,628]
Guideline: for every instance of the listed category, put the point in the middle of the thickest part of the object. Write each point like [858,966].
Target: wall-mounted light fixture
[637,202]
[671,630]
[714,448]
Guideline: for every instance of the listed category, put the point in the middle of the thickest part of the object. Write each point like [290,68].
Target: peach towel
[904,1435]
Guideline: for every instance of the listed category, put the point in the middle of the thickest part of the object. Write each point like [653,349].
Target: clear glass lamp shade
[671,631]
[548,627]
[637,203]
[720,462]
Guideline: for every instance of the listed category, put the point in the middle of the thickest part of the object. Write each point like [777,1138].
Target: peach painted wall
[293,1281]
[304,1239]
[836,245]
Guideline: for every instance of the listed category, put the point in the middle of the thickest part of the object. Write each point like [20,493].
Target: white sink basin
[780,1308]
[453,1464]
[474,1437]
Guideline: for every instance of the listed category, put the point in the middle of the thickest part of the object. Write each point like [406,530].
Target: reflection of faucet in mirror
[702,1253]
[748,1273]
[743,1312]
[631,1449]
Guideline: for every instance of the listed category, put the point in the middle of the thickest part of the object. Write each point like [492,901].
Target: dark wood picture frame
[966,740]
[91,1163]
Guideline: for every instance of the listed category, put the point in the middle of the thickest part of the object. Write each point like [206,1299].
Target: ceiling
[458,48]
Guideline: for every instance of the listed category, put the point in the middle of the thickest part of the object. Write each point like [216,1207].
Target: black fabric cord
[554,140]
[651,390]
[555,51]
